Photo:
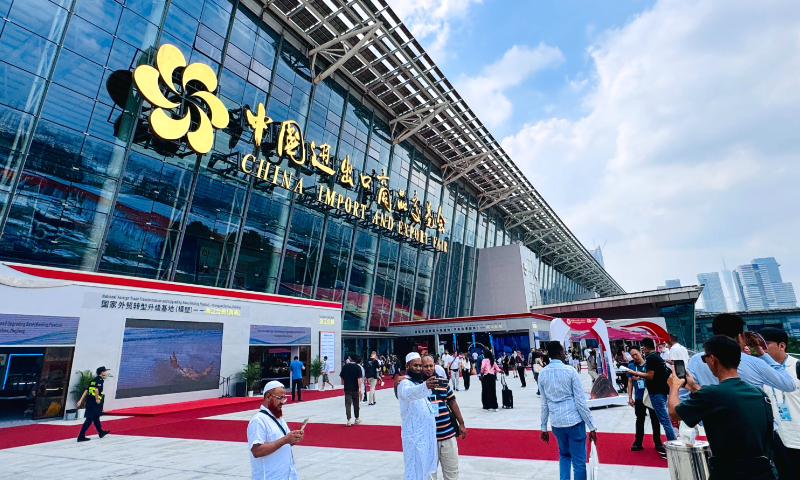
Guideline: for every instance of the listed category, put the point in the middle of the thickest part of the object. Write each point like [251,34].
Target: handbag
[646,400]
[593,468]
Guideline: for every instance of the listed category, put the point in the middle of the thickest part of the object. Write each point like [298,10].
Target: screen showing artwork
[160,357]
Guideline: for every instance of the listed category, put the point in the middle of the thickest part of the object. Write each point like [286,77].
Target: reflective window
[361,278]
[382,300]
[302,252]
[262,241]
[405,284]
[335,255]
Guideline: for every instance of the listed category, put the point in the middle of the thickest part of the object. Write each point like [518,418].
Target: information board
[327,347]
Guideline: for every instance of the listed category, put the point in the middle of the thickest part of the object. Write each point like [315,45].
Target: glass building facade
[85,185]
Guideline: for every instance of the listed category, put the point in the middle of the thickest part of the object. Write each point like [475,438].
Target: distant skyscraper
[597,253]
[736,304]
[669,284]
[713,297]
[761,287]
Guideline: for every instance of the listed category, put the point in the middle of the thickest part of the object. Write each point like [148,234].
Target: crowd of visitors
[742,388]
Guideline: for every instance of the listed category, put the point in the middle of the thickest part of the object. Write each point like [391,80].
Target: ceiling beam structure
[366,44]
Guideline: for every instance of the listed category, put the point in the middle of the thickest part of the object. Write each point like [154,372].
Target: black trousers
[489,391]
[793,455]
[780,458]
[465,375]
[641,411]
[297,385]
[90,420]
[521,371]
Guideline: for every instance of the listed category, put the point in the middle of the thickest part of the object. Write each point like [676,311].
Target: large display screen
[160,356]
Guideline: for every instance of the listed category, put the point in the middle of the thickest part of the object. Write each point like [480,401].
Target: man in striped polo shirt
[445,433]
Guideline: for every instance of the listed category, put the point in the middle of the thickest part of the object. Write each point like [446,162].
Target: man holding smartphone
[636,400]
[737,417]
[655,379]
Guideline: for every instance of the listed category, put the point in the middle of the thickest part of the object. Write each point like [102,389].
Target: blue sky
[665,130]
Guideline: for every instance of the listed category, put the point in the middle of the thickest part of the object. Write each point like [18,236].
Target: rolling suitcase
[508,395]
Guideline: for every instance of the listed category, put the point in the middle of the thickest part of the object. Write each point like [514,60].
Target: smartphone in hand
[303,427]
[680,368]
[442,382]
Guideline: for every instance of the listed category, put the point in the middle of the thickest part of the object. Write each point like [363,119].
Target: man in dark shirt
[94,405]
[737,417]
[636,388]
[372,368]
[351,379]
[655,380]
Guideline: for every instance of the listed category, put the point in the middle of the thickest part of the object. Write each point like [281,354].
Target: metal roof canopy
[390,65]
[629,303]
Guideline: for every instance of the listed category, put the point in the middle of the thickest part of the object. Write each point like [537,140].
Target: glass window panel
[19,89]
[40,17]
[216,17]
[28,52]
[67,108]
[361,278]
[180,25]
[103,13]
[149,9]
[136,31]
[422,295]
[78,74]
[87,40]
[382,299]
[193,7]
[335,255]
[262,242]
[405,284]
[302,250]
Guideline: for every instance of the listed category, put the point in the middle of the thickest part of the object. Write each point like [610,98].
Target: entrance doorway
[34,382]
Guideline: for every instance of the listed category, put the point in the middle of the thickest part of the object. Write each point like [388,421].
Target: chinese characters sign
[395,211]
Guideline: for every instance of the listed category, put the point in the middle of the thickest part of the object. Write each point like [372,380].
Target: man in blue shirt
[758,370]
[636,389]
[296,367]
[564,403]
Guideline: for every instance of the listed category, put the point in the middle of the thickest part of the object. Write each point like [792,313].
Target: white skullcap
[273,384]
[412,356]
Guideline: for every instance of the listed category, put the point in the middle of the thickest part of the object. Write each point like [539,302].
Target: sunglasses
[703,357]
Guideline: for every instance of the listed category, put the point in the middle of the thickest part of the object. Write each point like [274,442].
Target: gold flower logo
[163,119]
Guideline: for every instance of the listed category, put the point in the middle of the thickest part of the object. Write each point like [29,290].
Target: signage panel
[37,330]
[275,335]
[327,347]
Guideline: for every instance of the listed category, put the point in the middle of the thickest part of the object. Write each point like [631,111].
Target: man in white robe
[418,430]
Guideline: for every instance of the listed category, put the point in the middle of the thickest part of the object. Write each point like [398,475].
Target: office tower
[597,253]
[761,287]
[713,297]
[672,283]
[735,302]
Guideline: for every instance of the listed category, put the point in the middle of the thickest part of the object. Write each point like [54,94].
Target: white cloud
[429,21]
[485,94]
[689,150]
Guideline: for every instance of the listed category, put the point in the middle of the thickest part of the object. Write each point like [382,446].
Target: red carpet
[249,402]
[184,420]
[613,448]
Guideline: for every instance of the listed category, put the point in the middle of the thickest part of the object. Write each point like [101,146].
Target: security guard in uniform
[94,405]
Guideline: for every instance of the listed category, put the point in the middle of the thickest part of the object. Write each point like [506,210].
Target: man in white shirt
[418,430]
[446,359]
[677,351]
[270,440]
[785,407]
[455,366]
[327,368]
[663,350]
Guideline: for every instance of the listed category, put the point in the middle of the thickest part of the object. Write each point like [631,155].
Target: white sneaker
[358,420]
[349,423]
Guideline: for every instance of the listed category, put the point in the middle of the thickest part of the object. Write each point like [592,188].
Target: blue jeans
[659,402]
[571,450]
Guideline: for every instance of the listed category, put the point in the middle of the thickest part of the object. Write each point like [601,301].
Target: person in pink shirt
[489,370]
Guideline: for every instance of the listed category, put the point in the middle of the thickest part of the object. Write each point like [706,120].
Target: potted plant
[316,370]
[251,374]
[85,377]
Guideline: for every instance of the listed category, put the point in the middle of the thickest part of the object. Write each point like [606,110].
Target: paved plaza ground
[211,443]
